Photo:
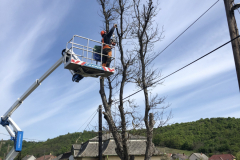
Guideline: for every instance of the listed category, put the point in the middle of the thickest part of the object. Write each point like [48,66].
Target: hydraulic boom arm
[17,134]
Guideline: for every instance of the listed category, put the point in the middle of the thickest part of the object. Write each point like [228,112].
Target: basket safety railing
[87,51]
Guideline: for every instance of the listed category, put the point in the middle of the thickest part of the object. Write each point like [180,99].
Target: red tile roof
[47,157]
[222,157]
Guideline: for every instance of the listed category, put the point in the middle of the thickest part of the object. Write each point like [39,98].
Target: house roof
[180,156]
[76,146]
[66,155]
[200,156]
[110,136]
[58,157]
[90,148]
[222,157]
[136,147]
[27,157]
[47,157]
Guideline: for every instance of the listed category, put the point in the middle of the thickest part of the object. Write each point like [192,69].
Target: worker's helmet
[103,32]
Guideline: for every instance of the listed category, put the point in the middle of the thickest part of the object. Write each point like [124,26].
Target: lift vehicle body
[77,64]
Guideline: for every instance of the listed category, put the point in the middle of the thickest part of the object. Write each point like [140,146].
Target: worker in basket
[106,39]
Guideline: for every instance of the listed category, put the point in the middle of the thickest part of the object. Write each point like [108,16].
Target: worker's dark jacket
[107,38]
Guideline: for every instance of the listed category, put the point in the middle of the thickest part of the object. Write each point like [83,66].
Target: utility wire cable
[23,138]
[87,120]
[91,120]
[87,125]
[174,41]
[77,130]
[182,33]
[237,8]
[181,68]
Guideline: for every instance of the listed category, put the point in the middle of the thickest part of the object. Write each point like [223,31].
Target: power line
[77,130]
[87,120]
[237,8]
[87,125]
[173,42]
[91,120]
[182,33]
[4,134]
[181,68]
[23,138]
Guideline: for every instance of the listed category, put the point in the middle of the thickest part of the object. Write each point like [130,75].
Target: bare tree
[147,35]
[135,21]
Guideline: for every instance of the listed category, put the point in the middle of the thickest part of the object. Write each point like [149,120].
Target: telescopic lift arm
[6,120]
[71,62]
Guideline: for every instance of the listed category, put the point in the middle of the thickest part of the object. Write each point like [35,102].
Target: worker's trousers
[106,60]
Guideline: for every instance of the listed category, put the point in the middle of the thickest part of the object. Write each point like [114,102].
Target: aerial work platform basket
[84,56]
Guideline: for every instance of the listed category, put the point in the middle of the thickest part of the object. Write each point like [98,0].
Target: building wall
[31,158]
[155,158]
[71,157]
[117,158]
[139,158]
[90,158]
[86,158]
[193,157]
[136,158]
[111,158]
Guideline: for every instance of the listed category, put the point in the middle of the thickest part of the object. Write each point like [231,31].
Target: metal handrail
[93,40]
[90,49]
[80,45]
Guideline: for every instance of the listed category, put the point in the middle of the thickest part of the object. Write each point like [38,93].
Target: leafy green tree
[214,135]
[238,156]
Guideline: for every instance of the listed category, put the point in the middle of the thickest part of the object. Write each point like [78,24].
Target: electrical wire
[237,8]
[91,120]
[174,41]
[87,120]
[180,68]
[156,57]
[77,130]
[4,134]
[182,33]
[23,138]
[87,125]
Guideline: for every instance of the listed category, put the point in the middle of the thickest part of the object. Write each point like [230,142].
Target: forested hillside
[210,136]
[4,147]
[56,146]
[215,135]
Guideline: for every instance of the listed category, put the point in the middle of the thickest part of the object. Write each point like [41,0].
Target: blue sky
[33,33]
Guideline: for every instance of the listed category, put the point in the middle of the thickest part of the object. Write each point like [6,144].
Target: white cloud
[58,106]
[20,49]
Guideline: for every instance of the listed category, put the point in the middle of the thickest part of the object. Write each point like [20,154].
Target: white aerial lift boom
[80,65]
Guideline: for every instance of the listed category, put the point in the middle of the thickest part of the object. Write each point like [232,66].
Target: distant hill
[210,136]
[4,147]
[55,146]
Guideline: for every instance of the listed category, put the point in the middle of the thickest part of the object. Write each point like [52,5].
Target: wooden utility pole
[44,155]
[100,133]
[0,146]
[8,148]
[19,156]
[233,30]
